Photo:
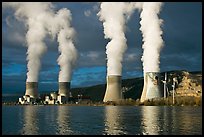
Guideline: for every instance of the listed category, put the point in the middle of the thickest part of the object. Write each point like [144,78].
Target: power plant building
[31,93]
[55,98]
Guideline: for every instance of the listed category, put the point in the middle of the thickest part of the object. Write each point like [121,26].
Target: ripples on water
[99,120]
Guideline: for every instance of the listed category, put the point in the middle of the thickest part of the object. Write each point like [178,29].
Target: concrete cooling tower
[32,89]
[64,88]
[151,87]
[113,88]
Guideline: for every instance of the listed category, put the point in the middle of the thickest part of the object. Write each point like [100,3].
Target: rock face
[190,85]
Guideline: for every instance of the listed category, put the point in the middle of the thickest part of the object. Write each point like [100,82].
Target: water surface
[101,120]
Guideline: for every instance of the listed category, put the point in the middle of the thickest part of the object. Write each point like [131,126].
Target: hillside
[132,88]
[189,84]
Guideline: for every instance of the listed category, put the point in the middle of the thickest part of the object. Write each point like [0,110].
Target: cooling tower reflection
[150,120]
[63,120]
[113,121]
[30,126]
[184,121]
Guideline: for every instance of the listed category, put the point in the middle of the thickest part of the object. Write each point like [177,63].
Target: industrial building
[31,94]
[26,99]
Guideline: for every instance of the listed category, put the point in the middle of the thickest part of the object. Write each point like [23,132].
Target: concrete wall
[32,89]
[113,88]
[152,87]
[64,88]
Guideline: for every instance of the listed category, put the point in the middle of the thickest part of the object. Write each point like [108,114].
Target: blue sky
[182,50]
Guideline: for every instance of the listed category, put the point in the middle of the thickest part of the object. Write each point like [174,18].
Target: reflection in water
[150,121]
[30,126]
[113,120]
[51,120]
[63,120]
[186,120]
[170,120]
[173,121]
[166,121]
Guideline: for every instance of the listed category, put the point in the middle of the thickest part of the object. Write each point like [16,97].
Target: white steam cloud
[41,20]
[68,55]
[60,24]
[151,32]
[32,14]
[114,16]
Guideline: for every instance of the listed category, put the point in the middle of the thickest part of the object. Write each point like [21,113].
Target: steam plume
[66,46]
[151,31]
[114,16]
[41,20]
[32,14]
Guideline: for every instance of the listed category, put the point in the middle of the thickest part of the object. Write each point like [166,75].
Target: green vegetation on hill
[132,88]
[96,93]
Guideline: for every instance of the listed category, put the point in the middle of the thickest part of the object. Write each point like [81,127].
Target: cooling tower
[32,89]
[151,87]
[113,88]
[64,88]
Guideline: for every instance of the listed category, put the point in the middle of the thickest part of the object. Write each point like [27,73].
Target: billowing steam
[68,52]
[60,24]
[33,14]
[41,20]
[151,31]
[114,16]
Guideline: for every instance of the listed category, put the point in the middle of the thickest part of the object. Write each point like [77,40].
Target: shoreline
[178,101]
[182,105]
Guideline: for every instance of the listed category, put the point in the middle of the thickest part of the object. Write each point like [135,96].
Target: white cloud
[93,55]
[18,37]
[96,7]
[8,21]
[131,57]
[87,13]
[15,37]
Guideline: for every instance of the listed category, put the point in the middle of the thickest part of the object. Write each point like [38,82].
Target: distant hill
[133,87]
[96,93]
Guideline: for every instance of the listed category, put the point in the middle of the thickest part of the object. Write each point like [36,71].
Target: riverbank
[178,101]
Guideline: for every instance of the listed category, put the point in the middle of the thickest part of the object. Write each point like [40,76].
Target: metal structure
[165,87]
[32,89]
[64,88]
[113,88]
[174,85]
[53,95]
[151,88]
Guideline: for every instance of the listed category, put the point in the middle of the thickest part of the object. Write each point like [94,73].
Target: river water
[102,120]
